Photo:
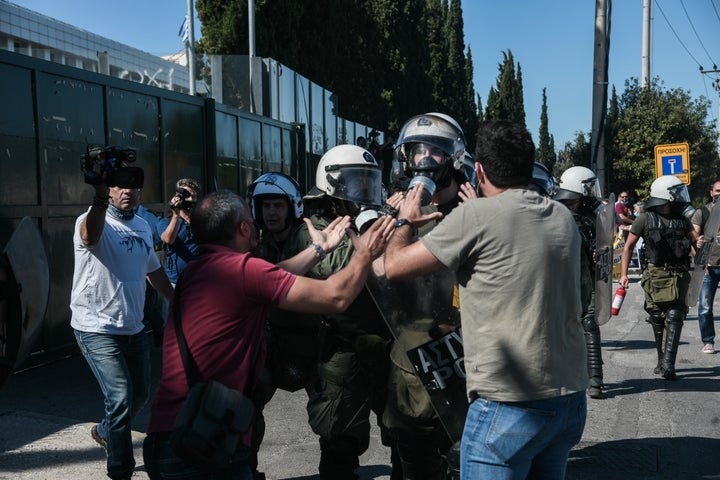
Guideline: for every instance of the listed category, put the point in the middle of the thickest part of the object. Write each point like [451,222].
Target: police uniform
[427,301]
[291,340]
[586,224]
[665,280]
[350,372]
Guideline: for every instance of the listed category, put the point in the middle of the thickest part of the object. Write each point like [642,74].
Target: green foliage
[386,60]
[545,151]
[652,116]
[469,108]
[576,153]
[505,100]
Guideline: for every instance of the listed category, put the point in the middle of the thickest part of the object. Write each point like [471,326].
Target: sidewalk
[647,428]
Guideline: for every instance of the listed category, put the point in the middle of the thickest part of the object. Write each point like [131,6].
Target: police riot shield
[423,316]
[604,232]
[710,238]
[25,277]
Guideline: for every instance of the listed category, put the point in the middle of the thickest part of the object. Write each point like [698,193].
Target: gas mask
[432,170]
[369,213]
[688,210]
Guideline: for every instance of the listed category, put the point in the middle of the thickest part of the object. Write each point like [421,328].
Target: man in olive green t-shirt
[516,255]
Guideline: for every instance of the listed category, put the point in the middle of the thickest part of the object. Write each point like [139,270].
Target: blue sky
[551,39]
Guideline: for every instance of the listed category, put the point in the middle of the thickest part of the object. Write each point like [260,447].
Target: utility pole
[251,51]
[600,84]
[646,44]
[191,45]
[716,86]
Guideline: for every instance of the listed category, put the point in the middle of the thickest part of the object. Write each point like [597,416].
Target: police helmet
[273,185]
[578,182]
[348,172]
[434,129]
[667,189]
[543,181]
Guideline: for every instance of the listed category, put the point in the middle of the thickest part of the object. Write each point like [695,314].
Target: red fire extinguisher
[618,300]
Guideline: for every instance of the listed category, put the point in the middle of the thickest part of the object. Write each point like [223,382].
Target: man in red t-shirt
[623,214]
[223,295]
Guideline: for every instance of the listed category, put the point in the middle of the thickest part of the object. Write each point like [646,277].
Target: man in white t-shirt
[516,255]
[114,254]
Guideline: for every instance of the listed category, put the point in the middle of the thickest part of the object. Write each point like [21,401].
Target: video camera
[110,161]
[184,195]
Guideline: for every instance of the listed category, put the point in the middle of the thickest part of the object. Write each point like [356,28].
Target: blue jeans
[518,440]
[162,463]
[706,321]
[121,365]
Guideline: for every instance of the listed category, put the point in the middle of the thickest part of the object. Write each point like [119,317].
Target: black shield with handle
[604,233]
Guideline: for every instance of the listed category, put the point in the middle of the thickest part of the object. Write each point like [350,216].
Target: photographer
[114,255]
[175,231]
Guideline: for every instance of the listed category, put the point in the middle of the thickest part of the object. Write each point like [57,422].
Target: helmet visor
[591,188]
[543,182]
[422,153]
[679,193]
[361,184]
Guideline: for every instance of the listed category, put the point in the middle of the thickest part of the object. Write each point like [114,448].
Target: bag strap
[192,372]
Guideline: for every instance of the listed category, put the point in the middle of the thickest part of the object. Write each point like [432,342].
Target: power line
[657,2]
[712,2]
[696,33]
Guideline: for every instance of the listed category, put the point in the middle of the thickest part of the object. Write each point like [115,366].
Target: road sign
[673,159]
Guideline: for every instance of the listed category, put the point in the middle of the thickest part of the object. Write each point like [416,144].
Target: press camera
[108,165]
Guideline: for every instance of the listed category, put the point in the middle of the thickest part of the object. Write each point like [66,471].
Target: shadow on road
[646,458]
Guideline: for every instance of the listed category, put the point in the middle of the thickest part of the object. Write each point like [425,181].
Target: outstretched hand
[374,240]
[467,192]
[331,236]
[410,208]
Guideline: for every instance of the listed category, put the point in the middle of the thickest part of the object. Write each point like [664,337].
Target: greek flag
[184,32]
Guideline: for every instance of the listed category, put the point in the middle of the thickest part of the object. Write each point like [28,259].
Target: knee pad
[590,325]
[656,318]
[675,315]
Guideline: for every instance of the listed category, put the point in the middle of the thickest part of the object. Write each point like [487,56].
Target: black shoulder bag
[214,417]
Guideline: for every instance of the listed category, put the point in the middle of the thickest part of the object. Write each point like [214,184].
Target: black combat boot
[674,328]
[594,357]
[420,457]
[658,326]
[338,459]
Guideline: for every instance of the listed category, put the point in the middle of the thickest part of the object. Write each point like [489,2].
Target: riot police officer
[353,346]
[432,147]
[579,190]
[276,205]
[667,235]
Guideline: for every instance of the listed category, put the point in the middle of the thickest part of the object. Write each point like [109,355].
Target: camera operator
[114,255]
[175,231]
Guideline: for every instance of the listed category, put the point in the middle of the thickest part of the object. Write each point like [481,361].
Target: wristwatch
[401,222]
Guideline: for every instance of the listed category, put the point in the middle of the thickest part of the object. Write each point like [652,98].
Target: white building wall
[30,33]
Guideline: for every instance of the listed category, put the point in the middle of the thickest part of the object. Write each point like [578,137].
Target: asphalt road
[647,428]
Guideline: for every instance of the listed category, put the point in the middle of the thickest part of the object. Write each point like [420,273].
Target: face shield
[591,188]
[358,184]
[679,193]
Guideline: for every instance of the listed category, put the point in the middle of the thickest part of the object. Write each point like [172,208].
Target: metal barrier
[52,112]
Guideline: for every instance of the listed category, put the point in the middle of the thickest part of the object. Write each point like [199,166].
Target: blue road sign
[672,164]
